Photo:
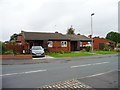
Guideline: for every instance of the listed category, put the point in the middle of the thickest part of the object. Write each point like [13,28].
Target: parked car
[37,51]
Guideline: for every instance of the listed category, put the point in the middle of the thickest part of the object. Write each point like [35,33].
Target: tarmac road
[37,75]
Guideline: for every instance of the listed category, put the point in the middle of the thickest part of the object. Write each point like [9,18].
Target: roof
[103,39]
[53,36]
[44,36]
[79,37]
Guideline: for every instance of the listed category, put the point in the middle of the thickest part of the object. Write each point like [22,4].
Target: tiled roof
[53,36]
[78,37]
[44,36]
[103,39]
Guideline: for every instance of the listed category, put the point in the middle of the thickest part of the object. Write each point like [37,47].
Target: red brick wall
[21,39]
[84,43]
[16,56]
[57,47]
[97,41]
[15,47]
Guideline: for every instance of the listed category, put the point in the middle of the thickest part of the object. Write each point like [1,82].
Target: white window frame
[50,45]
[80,44]
[64,43]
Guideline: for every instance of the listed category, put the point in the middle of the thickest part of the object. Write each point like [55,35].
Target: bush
[107,48]
[87,48]
[9,52]
[2,48]
[117,49]
[61,52]
[118,45]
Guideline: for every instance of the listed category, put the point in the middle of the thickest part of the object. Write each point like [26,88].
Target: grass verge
[74,54]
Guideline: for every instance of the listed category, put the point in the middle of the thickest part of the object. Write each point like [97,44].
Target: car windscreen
[37,48]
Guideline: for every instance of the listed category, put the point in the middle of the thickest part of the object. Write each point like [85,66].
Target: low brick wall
[16,56]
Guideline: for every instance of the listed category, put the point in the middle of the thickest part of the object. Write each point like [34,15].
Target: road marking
[8,74]
[98,74]
[89,64]
[22,73]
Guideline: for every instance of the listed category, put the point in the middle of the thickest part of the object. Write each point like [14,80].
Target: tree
[114,36]
[2,48]
[13,37]
[71,31]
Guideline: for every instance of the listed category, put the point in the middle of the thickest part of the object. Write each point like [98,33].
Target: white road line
[98,74]
[22,73]
[89,64]
[8,74]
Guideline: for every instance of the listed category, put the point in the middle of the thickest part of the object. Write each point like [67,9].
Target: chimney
[90,36]
[56,32]
[78,34]
[22,31]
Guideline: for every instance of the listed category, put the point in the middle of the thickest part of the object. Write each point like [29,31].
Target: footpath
[48,59]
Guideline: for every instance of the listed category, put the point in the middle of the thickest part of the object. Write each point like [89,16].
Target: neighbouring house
[52,42]
[100,42]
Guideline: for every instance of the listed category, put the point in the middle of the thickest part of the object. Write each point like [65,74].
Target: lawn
[105,52]
[74,54]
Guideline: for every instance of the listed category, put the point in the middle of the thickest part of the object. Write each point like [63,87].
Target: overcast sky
[58,15]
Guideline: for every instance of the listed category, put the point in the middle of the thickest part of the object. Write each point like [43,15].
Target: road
[37,75]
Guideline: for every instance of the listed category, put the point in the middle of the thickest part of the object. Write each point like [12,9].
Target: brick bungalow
[99,42]
[52,42]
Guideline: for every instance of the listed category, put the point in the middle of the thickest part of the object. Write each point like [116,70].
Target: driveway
[46,57]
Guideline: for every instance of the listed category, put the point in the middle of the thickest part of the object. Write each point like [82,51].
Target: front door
[73,45]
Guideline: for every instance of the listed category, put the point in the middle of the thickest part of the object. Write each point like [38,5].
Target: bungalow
[53,42]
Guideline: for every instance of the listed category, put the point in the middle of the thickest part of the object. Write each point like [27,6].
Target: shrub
[87,48]
[107,48]
[61,52]
[118,45]
[2,48]
[9,52]
[117,49]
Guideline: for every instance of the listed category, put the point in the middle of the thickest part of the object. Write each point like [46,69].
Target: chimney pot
[90,36]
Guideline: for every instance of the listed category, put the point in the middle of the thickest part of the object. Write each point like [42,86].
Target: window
[50,44]
[80,44]
[63,43]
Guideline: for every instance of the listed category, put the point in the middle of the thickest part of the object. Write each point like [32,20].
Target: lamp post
[92,30]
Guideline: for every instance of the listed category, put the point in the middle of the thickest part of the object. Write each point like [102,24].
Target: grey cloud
[43,15]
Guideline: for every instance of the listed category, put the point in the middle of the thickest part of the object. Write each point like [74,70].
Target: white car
[37,51]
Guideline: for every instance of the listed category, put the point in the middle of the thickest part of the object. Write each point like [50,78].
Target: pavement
[46,59]
[49,59]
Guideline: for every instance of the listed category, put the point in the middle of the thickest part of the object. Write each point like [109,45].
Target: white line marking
[98,74]
[22,73]
[8,74]
[89,64]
